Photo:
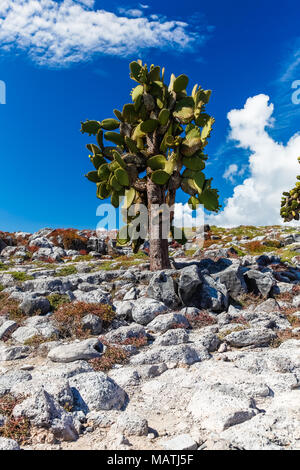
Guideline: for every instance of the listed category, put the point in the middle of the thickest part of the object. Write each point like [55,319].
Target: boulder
[95,391]
[32,304]
[163,287]
[8,444]
[131,424]
[7,328]
[189,283]
[259,283]
[81,350]
[145,310]
[166,321]
[250,337]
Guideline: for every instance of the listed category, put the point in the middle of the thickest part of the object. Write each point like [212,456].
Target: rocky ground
[97,352]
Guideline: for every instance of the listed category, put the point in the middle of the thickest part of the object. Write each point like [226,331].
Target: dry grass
[283,336]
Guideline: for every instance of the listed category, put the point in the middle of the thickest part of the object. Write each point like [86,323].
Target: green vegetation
[66,271]
[20,276]
[290,203]
[56,300]
[159,148]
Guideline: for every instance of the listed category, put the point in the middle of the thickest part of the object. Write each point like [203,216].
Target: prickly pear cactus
[290,203]
[159,139]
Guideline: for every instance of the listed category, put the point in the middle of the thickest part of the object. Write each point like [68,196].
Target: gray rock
[85,350]
[92,323]
[125,332]
[213,295]
[145,310]
[181,442]
[259,283]
[24,333]
[8,444]
[43,411]
[181,354]
[250,337]
[233,280]
[163,287]
[172,337]
[124,309]
[269,305]
[125,376]
[166,321]
[7,328]
[131,424]
[189,283]
[296,301]
[11,378]
[218,409]
[95,391]
[11,353]
[32,304]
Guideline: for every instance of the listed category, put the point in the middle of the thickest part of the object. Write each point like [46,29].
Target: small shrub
[69,315]
[83,258]
[66,271]
[37,340]
[1,287]
[136,341]
[247,299]
[200,320]
[283,336]
[56,300]
[272,243]
[256,248]
[112,355]
[14,428]
[10,307]
[3,267]
[20,276]
[69,238]
[239,252]
[33,249]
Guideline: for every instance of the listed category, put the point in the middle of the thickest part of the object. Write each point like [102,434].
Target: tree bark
[159,247]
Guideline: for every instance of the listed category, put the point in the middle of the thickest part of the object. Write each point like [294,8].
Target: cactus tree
[290,203]
[159,148]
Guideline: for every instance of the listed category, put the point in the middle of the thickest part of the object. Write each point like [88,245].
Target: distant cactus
[158,149]
[290,203]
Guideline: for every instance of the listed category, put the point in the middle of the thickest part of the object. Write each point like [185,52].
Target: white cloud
[273,167]
[131,12]
[230,172]
[233,171]
[184,216]
[71,31]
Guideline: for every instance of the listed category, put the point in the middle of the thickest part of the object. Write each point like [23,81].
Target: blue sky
[56,78]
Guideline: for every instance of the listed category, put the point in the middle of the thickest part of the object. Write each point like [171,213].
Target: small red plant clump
[201,319]
[83,252]
[137,341]
[17,429]
[112,355]
[68,317]
[69,239]
[32,249]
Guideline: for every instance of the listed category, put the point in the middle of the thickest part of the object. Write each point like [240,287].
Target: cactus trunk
[159,256]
